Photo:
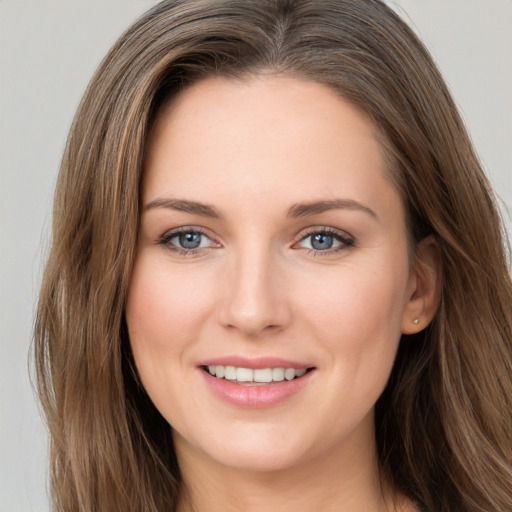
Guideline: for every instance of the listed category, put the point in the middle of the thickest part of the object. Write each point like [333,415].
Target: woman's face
[272,243]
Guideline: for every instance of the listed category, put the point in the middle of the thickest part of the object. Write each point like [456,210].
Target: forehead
[262,135]
[273,98]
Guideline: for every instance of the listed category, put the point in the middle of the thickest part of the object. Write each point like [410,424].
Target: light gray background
[48,51]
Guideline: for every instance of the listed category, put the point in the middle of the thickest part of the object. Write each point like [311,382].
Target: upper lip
[255,363]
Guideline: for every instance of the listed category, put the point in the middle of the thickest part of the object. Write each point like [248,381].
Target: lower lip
[255,397]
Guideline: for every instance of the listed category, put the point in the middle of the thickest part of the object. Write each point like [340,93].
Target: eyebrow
[297,210]
[183,205]
[304,209]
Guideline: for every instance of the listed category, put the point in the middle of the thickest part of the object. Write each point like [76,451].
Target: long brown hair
[444,422]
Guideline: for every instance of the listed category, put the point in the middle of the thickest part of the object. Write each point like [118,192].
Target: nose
[255,302]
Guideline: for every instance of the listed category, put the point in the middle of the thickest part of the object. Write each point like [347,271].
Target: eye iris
[321,241]
[190,240]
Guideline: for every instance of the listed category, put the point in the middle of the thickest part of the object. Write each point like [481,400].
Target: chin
[259,452]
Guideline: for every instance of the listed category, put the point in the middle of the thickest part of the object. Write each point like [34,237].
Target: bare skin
[307,488]
[271,231]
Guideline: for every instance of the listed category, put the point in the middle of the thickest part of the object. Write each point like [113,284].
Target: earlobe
[425,287]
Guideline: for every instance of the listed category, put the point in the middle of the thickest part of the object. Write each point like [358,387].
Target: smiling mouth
[260,376]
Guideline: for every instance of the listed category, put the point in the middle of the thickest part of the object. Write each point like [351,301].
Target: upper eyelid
[165,241]
[185,229]
[172,233]
[301,235]
[323,229]
[345,240]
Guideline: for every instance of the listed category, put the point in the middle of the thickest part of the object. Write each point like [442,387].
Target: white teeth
[289,373]
[263,375]
[230,373]
[244,375]
[260,375]
[277,374]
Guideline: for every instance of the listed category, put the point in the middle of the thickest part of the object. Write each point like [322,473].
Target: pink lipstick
[255,382]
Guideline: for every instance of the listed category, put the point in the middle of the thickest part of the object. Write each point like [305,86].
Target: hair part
[444,422]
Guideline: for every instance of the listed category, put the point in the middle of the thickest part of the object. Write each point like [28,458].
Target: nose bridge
[255,301]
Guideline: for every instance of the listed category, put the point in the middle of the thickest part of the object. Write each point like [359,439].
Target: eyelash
[345,241]
[165,240]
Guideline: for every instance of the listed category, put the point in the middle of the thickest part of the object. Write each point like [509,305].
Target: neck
[346,478]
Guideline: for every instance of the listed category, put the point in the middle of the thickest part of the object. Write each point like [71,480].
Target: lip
[255,396]
[255,363]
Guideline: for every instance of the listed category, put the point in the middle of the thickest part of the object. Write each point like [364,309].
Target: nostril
[254,303]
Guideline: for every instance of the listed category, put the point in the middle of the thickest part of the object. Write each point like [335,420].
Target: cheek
[163,304]
[358,297]
[357,317]
[163,313]
[360,332]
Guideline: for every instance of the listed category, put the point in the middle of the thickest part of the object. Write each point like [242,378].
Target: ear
[424,287]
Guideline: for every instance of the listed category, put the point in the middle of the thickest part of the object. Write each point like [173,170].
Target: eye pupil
[321,241]
[190,240]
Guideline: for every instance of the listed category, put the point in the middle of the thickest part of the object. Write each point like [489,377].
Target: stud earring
[416,321]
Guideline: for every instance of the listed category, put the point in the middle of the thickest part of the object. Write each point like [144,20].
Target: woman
[278,275]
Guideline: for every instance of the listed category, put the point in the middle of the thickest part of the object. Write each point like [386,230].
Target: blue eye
[186,240]
[325,241]
[322,241]
[189,240]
